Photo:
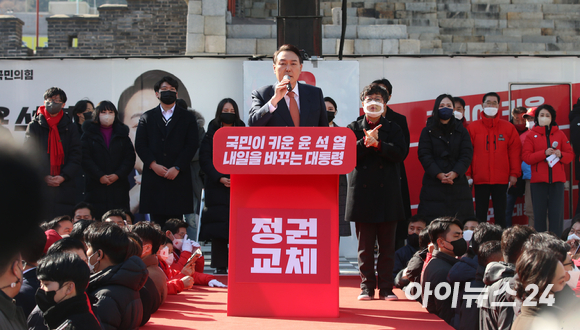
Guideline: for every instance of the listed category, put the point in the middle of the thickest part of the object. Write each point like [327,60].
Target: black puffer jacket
[72,314]
[215,218]
[115,292]
[443,152]
[98,160]
[63,197]
[496,311]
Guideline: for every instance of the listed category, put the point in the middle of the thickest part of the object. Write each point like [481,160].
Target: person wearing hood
[547,150]
[215,222]
[108,158]
[447,238]
[116,280]
[416,224]
[56,137]
[496,163]
[445,152]
[496,310]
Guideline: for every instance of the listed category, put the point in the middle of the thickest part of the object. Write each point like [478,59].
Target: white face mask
[178,243]
[574,276]
[163,253]
[107,119]
[373,114]
[544,121]
[530,124]
[92,266]
[169,260]
[491,112]
[458,115]
[467,235]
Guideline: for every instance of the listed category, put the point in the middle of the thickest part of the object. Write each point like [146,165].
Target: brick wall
[11,37]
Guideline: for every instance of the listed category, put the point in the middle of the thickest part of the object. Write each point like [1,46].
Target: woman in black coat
[445,151]
[215,218]
[108,157]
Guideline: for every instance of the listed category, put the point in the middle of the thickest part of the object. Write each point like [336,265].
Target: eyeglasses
[378,99]
[490,103]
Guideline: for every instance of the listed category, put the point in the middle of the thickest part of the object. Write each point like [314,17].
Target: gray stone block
[348,48]
[456,31]
[194,7]
[485,15]
[408,46]
[500,39]
[195,43]
[382,32]
[522,32]
[260,13]
[325,20]
[367,21]
[351,12]
[329,46]
[241,46]
[431,51]
[511,23]
[486,48]
[563,46]
[567,25]
[454,7]
[491,2]
[486,23]
[215,25]
[419,22]
[429,44]
[487,31]
[266,46]
[422,29]
[526,15]
[259,5]
[563,16]
[539,39]
[383,21]
[456,23]
[485,8]
[525,47]
[532,1]
[195,24]
[454,48]
[390,46]
[424,36]
[334,31]
[214,8]
[215,44]
[249,31]
[468,38]
[559,8]
[446,38]
[421,6]
[528,7]
[336,15]
[368,47]
[569,39]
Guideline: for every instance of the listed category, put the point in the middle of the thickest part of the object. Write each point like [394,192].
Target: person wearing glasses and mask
[496,163]
[57,138]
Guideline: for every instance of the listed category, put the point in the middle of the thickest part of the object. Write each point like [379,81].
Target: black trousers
[219,253]
[367,234]
[498,197]
[161,219]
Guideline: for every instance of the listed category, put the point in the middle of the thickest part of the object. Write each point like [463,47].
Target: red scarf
[54,142]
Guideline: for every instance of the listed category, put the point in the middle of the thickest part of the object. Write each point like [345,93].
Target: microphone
[554,144]
[289,86]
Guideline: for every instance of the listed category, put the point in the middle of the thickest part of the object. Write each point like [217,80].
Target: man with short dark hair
[32,251]
[61,297]
[496,163]
[83,211]
[166,141]
[176,231]
[415,225]
[493,314]
[116,216]
[447,237]
[58,141]
[62,225]
[152,238]
[288,103]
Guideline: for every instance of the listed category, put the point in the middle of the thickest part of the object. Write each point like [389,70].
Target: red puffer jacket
[534,153]
[496,151]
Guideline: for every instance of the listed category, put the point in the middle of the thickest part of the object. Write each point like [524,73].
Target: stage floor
[206,308]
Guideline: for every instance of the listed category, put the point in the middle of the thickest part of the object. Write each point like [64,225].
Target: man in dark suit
[276,105]
[166,141]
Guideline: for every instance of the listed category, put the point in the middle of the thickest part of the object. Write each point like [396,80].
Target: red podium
[284,217]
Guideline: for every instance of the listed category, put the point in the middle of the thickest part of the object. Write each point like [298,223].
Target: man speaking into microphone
[288,103]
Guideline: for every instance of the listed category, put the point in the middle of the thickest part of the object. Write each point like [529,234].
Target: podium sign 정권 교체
[284,217]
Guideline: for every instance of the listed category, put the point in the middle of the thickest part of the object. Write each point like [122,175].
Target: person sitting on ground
[447,237]
[117,216]
[412,273]
[70,245]
[177,281]
[176,231]
[61,298]
[489,251]
[152,238]
[402,256]
[31,252]
[542,270]
[492,314]
[62,225]
[117,280]
[78,231]
[83,211]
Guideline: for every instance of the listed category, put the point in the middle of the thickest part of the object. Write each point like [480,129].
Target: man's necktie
[294,112]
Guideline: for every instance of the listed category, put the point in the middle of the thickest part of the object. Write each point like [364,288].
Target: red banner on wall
[284,150]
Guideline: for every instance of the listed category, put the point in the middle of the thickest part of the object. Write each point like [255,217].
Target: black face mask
[45,299]
[413,240]
[53,108]
[459,247]
[227,118]
[88,115]
[167,97]
[330,115]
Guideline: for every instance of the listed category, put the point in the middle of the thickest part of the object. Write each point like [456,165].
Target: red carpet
[206,308]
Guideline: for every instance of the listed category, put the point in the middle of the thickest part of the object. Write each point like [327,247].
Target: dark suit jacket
[25,298]
[174,145]
[312,108]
